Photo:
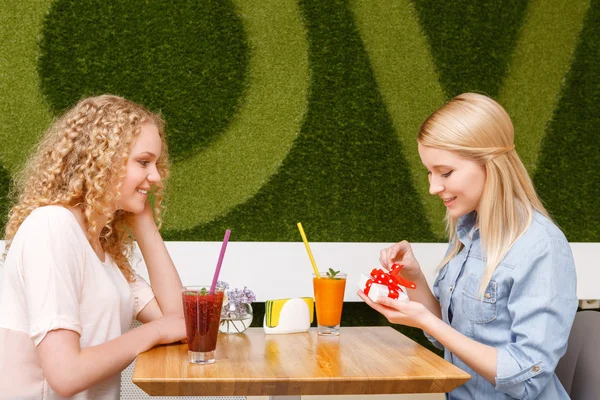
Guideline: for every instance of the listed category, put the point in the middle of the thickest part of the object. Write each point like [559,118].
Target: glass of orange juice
[329,299]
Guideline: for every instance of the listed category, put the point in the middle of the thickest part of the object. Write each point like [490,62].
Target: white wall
[282,269]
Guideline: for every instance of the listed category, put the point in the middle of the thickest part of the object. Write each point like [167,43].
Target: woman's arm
[480,357]
[423,294]
[164,278]
[70,369]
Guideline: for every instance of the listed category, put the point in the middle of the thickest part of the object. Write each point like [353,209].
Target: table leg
[284,397]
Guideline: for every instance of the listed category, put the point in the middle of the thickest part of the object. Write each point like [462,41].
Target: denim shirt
[526,311]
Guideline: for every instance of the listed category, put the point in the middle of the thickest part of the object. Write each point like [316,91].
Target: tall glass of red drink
[202,312]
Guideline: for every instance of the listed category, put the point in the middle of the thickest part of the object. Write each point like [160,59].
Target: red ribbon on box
[392,280]
[395,274]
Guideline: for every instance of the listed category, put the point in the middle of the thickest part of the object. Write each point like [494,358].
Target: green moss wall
[282,111]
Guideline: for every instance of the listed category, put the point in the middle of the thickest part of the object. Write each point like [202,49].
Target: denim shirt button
[487,296]
[451,288]
[535,368]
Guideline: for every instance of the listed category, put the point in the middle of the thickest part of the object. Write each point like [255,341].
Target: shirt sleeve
[142,294]
[542,304]
[436,293]
[52,263]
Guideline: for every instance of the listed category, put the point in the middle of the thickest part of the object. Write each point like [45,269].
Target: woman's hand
[401,253]
[409,313]
[144,221]
[170,328]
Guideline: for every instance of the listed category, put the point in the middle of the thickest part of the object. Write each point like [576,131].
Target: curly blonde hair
[76,164]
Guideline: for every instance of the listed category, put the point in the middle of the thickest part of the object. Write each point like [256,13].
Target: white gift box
[378,290]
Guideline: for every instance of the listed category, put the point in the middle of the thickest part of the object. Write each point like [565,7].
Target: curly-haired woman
[69,292]
[504,299]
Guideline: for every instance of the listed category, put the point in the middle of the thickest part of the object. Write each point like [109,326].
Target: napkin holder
[288,315]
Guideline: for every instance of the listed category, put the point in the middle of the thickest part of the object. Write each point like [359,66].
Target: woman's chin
[133,209]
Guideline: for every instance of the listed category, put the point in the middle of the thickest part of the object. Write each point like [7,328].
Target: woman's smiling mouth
[448,201]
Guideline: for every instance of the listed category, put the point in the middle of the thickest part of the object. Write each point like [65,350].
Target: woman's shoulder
[47,231]
[52,220]
[46,213]
[544,255]
[542,236]
[543,229]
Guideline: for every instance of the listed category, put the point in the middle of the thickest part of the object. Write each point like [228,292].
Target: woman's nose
[153,176]
[435,187]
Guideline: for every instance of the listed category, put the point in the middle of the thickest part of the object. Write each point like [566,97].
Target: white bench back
[282,269]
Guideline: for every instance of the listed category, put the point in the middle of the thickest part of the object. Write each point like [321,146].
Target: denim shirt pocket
[477,309]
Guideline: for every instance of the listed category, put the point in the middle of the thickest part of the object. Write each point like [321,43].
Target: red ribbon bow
[392,280]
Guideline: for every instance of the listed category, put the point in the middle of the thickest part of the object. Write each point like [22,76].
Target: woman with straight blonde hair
[504,298]
[69,293]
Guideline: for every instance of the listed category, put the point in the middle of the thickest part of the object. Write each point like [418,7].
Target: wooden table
[362,360]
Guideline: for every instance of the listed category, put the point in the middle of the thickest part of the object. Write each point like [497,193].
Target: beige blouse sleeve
[142,294]
[51,265]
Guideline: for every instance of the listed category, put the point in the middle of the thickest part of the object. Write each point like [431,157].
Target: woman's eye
[143,162]
[447,174]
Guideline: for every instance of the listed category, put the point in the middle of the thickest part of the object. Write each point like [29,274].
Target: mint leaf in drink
[331,274]
[201,292]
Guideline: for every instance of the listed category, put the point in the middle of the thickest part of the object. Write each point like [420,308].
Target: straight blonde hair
[477,128]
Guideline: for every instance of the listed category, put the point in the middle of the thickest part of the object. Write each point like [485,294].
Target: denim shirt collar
[465,228]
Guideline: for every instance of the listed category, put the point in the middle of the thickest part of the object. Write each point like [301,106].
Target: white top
[53,279]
